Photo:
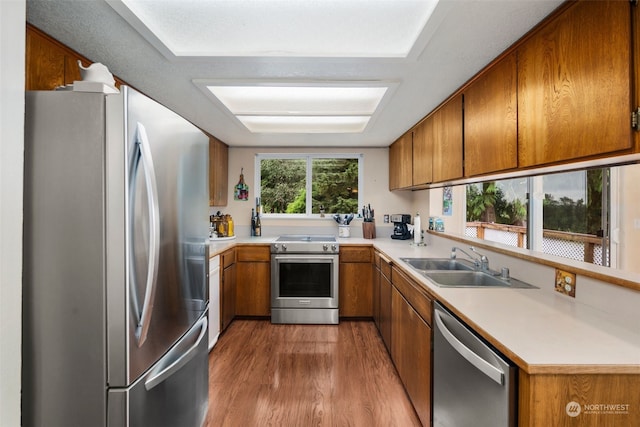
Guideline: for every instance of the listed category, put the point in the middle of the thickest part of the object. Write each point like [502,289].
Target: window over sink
[587,215]
[307,185]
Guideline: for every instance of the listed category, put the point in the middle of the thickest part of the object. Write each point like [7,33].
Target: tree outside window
[309,184]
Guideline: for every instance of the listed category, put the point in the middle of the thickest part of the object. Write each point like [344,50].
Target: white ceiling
[460,38]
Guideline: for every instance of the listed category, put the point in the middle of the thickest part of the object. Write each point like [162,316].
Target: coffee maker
[400,229]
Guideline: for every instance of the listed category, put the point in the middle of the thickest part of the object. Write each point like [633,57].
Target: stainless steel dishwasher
[473,384]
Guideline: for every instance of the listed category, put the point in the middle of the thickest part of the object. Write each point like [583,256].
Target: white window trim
[309,157]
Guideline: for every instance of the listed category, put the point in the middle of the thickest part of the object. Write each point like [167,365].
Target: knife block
[369,230]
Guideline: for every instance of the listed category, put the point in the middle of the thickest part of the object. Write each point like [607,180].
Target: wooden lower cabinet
[227,288]
[578,400]
[411,353]
[356,281]
[253,280]
[375,291]
[384,315]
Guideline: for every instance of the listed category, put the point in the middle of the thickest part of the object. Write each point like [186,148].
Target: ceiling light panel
[279,28]
[299,100]
[305,124]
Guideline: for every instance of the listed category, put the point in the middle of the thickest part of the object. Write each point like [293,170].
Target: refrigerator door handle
[142,154]
[482,365]
[177,357]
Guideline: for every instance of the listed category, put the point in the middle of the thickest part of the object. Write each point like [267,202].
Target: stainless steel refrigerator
[115,263]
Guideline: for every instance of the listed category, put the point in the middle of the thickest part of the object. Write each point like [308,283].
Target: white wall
[375,191]
[12,57]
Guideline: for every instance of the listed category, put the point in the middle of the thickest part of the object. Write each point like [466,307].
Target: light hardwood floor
[305,375]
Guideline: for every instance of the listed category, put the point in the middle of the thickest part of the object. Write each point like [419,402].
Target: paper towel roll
[417,238]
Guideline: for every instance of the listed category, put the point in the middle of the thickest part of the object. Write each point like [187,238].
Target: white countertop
[541,331]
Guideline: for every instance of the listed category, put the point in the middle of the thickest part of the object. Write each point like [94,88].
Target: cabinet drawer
[254,253]
[228,258]
[419,300]
[355,254]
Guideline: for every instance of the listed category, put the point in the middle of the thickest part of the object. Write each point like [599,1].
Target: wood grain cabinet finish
[401,162]
[491,120]
[218,172]
[423,152]
[447,140]
[411,353]
[574,85]
[382,297]
[356,281]
[253,280]
[385,302]
[543,400]
[227,288]
[375,291]
[50,64]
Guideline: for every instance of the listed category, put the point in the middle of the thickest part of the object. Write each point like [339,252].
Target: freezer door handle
[177,357]
[482,365]
[142,154]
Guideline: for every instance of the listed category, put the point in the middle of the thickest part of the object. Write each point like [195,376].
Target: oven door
[304,281]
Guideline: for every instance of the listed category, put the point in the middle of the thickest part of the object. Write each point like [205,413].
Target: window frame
[309,157]
[535,216]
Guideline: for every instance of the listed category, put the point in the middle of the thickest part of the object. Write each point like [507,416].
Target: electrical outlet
[566,282]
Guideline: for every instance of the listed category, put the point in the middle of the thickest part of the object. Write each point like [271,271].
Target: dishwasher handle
[482,365]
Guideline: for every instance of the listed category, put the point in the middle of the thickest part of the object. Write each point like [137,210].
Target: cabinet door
[447,140]
[356,281]
[376,290]
[411,354]
[574,85]
[491,120]
[46,62]
[218,172]
[401,162]
[228,301]
[356,290]
[253,289]
[423,152]
[385,310]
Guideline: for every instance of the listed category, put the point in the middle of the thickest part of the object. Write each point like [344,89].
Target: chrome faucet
[481,262]
[484,261]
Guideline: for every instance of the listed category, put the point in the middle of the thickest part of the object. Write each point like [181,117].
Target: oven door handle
[306,258]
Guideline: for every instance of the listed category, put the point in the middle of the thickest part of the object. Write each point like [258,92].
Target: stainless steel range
[304,279]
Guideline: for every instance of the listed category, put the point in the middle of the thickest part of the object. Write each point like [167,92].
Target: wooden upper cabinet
[491,120]
[50,64]
[401,162]
[574,85]
[218,172]
[447,140]
[423,152]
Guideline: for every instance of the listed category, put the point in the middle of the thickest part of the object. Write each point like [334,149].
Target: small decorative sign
[447,201]
[241,191]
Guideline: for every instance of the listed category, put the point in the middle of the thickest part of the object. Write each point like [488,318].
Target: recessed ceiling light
[277,28]
[305,124]
[299,100]
[301,108]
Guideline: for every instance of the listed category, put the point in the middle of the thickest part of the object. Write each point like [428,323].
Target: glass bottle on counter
[253,222]
[230,230]
[258,226]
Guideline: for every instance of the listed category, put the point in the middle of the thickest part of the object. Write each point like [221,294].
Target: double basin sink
[455,273]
